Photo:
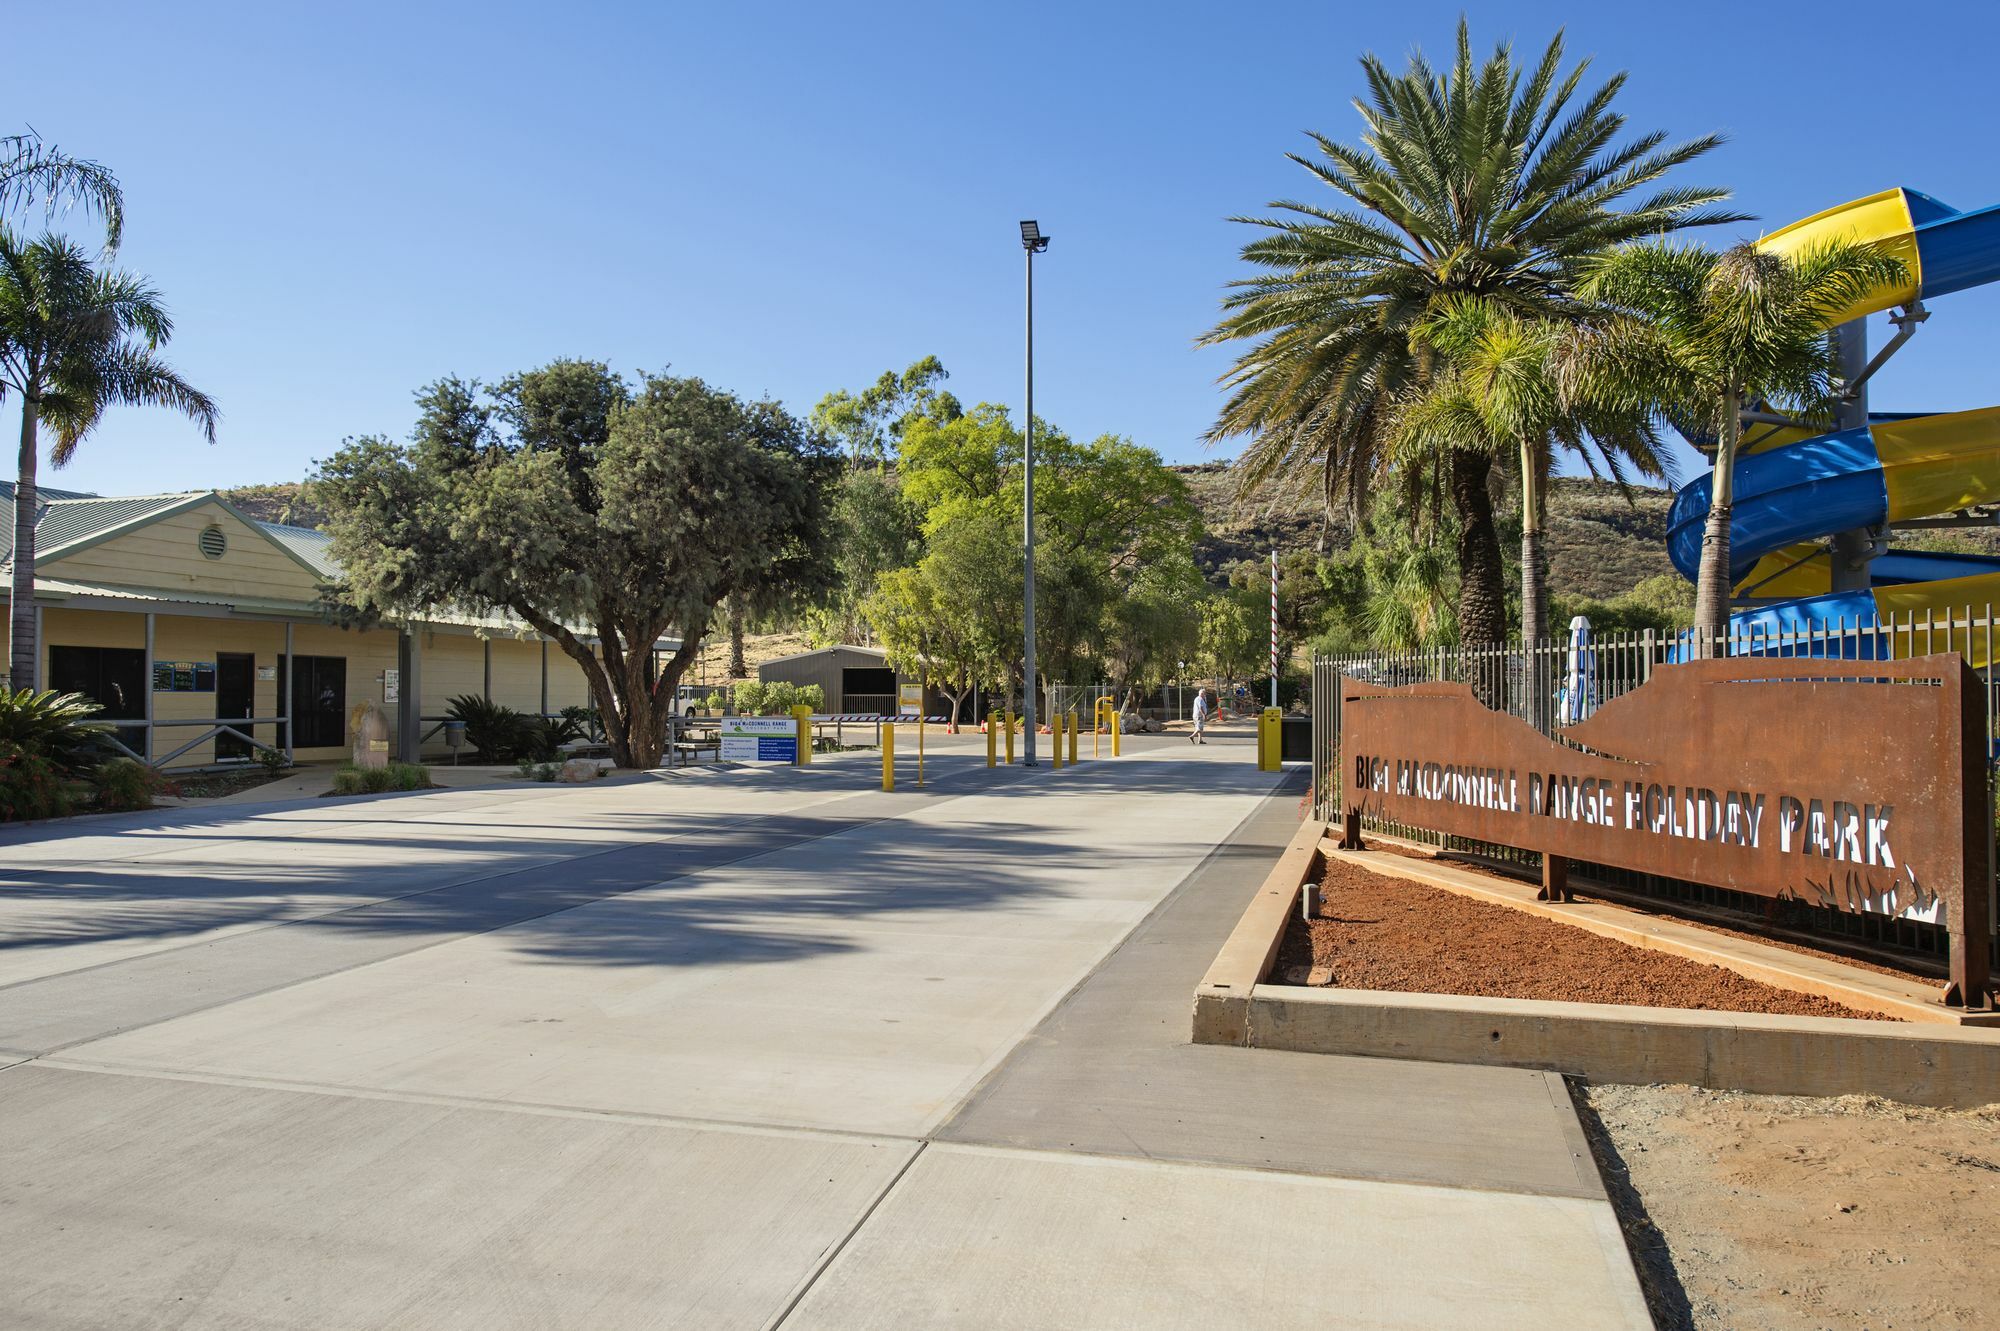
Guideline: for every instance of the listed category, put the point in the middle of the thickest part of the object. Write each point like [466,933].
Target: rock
[580,770]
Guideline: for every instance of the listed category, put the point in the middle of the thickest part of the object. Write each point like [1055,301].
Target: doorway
[235,699]
[317,688]
[112,677]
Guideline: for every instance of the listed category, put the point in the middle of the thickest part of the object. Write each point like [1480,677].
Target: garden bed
[1380,933]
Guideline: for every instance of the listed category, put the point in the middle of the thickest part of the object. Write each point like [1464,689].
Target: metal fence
[1553,683]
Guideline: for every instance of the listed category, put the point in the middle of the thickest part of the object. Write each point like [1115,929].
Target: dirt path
[1769,1213]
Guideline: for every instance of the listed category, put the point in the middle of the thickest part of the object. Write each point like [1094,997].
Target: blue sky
[344,202]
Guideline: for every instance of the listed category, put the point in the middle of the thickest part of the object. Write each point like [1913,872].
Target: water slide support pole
[1853,550]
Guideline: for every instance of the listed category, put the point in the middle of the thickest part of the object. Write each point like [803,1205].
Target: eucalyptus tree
[34,174]
[1704,335]
[1491,179]
[73,341]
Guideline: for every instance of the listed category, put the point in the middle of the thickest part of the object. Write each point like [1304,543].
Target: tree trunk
[738,669]
[23,649]
[1534,589]
[1482,585]
[1713,584]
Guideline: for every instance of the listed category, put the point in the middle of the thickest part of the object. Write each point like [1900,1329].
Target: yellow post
[888,754]
[1055,742]
[920,748]
[992,738]
[1115,732]
[1011,719]
[803,717]
[1072,737]
[1269,741]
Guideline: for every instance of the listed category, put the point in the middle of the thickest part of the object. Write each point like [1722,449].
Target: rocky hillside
[1600,543]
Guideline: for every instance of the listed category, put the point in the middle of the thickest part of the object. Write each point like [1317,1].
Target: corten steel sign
[1856,784]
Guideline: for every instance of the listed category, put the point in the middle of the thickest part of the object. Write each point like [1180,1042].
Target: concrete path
[731,1048]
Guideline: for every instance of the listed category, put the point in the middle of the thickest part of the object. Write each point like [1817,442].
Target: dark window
[318,691]
[867,689]
[112,677]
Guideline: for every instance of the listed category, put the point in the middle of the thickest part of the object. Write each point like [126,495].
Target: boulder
[579,770]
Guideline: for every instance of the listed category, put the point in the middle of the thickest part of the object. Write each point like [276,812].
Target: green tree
[693,497]
[1234,633]
[952,619]
[876,530]
[73,341]
[34,174]
[1152,626]
[870,424]
[1490,179]
[1708,333]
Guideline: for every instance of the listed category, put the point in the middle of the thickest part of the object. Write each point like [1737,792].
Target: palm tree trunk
[1482,586]
[1534,589]
[1713,585]
[738,669]
[1534,567]
[23,650]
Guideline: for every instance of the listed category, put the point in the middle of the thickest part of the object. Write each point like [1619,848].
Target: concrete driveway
[729,1048]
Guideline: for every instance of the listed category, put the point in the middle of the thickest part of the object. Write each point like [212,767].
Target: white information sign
[909,699]
[759,739]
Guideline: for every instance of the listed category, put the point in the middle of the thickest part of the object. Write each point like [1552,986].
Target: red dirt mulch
[1386,933]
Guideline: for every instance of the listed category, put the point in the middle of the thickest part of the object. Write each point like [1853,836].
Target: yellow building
[180,615]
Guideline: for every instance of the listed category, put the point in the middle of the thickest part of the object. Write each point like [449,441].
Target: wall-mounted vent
[212,542]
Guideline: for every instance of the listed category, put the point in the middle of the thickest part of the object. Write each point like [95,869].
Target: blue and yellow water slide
[1794,492]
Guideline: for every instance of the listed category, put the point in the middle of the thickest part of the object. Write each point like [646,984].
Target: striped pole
[1274,626]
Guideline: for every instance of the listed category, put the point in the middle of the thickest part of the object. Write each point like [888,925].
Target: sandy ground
[1769,1213]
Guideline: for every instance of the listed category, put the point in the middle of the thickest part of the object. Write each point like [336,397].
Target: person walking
[1200,716]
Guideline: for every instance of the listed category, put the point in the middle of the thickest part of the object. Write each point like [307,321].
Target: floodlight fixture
[1032,238]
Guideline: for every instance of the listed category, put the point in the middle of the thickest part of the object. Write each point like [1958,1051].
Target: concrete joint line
[833,1252]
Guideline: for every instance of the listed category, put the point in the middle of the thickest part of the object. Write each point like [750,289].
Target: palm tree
[1706,335]
[1488,180]
[73,341]
[1494,392]
[32,172]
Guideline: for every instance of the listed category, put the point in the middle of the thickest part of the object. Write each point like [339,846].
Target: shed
[854,679]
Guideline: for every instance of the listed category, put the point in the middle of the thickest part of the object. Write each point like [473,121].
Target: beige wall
[452,663]
[163,554]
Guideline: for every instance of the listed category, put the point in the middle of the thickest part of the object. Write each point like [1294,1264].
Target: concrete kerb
[1949,1067]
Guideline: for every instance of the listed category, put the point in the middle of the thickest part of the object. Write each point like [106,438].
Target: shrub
[123,784]
[813,696]
[498,732]
[749,696]
[352,780]
[712,703]
[274,760]
[32,786]
[589,725]
[546,733]
[52,726]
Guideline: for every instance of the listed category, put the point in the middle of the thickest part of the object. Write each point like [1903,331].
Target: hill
[1601,543]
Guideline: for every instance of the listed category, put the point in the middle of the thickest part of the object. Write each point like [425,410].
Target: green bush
[353,780]
[32,786]
[777,698]
[122,784]
[498,733]
[274,760]
[53,726]
[713,703]
[589,725]
[749,695]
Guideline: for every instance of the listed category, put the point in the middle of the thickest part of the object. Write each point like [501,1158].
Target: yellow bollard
[1116,733]
[1055,742]
[1269,740]
[920,748]
[992,738]
[888,755]
[803,717]
[1011,719]
[1072,737]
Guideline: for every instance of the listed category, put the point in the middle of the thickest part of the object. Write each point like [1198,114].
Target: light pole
[1034,242]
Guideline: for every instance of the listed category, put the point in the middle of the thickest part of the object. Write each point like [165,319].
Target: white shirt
[1201,706]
